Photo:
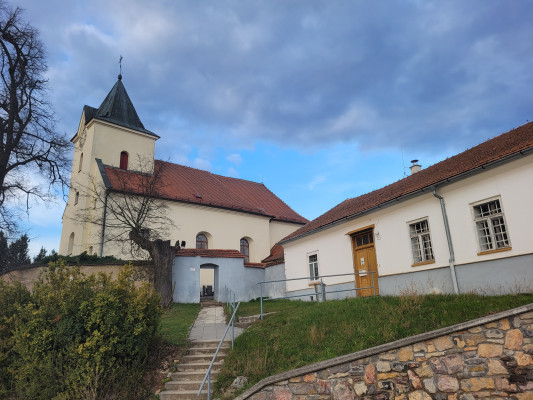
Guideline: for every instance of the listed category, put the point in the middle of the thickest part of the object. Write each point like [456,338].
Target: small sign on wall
[362,261]
[192,269]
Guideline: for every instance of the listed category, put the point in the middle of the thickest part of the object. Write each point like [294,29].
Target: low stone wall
[490,357]
[29,275]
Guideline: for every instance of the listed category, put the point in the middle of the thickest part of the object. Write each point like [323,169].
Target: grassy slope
[176,322]
[301,333]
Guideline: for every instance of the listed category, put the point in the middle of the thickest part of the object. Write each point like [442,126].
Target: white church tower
[112,135]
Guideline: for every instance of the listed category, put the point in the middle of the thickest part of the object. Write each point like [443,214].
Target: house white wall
[510,181]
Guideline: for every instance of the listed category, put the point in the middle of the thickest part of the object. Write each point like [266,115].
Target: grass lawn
[300,333]
[176,322]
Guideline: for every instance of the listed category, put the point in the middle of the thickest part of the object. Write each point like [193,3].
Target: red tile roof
[498,148]
[210,253]
[195,186]
[277,256]
[254,265]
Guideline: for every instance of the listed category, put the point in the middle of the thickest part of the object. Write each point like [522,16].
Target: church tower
[111,134]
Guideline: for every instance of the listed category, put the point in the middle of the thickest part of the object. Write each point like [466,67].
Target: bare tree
[132,213]
[28,142]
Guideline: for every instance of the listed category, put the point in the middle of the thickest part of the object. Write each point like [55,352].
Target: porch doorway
[208,281]
[365,263]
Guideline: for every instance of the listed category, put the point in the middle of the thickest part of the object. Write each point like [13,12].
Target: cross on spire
[120,66]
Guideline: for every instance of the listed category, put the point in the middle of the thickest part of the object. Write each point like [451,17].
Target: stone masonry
[490,357]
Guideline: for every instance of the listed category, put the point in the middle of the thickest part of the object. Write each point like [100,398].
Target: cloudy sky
[320,100]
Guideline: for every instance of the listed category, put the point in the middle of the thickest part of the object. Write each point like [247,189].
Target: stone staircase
[186,381]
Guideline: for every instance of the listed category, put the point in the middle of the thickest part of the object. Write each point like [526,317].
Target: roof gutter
[407,196]
[449,239]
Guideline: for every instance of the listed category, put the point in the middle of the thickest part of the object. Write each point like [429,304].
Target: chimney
[415,167]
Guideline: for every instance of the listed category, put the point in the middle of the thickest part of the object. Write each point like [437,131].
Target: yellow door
[364,262]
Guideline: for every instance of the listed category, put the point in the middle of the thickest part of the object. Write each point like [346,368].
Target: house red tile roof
[277,256]
[498,148]
[210,253]
[190,185]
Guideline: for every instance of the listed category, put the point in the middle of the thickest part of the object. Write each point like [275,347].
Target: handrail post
[261,301]
[323,290]
[374,283]
[232,332]
[209,386]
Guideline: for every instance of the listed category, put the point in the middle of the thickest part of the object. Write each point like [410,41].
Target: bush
[83,337]
[11,296]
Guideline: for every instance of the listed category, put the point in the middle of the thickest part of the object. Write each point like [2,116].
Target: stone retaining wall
[29,275]
[490,357]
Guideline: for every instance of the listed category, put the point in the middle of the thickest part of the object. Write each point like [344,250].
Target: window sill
[423,263]
[482,253]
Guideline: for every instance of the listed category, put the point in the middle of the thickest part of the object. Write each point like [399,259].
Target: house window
[123,160]
[490,226]
[313,266]
[421,242]
[76,198]
[201,241]
[245,249]
[80,163]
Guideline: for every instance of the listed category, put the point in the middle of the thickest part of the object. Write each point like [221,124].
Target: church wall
[279,229]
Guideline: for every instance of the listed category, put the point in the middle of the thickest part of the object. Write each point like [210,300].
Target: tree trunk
[163,255]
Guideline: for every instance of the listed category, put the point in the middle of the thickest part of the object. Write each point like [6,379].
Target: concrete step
[199,366]
[182,395]
[198,358]
[186,385]
[207,350]
[193,375]
[210,343]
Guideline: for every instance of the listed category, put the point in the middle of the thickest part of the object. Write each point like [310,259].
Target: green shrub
[11,296]
[83,337]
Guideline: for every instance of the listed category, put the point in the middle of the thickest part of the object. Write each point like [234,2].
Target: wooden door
[364,263]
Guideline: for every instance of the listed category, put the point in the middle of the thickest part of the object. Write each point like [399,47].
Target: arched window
[245,249]
[76,198]
[70,243]
[123,160]
[81,162]
[201,241]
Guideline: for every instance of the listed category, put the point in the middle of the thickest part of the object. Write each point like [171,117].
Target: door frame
[353,235]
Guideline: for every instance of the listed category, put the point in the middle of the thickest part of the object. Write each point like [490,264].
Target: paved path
[211,324]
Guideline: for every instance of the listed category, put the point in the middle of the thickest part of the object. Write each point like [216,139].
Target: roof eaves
[415,193]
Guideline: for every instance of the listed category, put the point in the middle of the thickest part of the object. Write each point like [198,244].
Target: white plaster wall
[225,228]
[279,229]
[110,140]
[512,182]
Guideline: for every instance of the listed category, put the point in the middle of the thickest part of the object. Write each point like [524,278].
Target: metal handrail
[208,373]
[323,290]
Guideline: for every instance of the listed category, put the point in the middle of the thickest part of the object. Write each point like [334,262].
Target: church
[213,215]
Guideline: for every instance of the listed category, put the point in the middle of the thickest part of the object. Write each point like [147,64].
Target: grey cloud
[303,73]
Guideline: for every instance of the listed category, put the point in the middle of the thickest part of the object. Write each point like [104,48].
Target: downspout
[103,224]
[449,238]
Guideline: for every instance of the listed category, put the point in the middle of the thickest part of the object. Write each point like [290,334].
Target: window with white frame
[313,266]
[421,242]
[490,226]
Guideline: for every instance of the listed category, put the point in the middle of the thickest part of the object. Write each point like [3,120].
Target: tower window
[123,160]
[201,241]
[81,162]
